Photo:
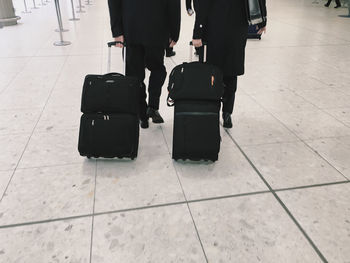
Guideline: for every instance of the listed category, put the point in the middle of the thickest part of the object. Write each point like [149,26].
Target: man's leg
[229,100]
[155,63]
[135,66]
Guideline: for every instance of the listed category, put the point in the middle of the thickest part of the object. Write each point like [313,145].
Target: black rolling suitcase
[109,126]
[195,89]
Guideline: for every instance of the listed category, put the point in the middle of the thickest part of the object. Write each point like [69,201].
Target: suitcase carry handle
[205,51]
[110,45]
[114,43]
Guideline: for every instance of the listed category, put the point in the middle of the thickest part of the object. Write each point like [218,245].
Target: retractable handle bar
[110,45]
[205,44]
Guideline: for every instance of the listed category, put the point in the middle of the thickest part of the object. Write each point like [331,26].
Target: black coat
[144,22]
[223,24]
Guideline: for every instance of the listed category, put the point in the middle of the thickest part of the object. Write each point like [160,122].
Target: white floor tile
[250,229]
[230,175]
[149,180]
[64,241]
[18,121]
[12,147]
[252,128]
[324,214]
[151,235]
[4,180]
[291,164]
[313,124]
[46,193]
[52,148]
[336,151]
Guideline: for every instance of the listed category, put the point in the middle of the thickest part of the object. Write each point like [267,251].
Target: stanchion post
[59,19]
[60,24]
[34,5]
[80,8]
[25,8]
[73,11]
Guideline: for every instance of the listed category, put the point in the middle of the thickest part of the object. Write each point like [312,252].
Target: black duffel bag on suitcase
[196,89]
[109,127]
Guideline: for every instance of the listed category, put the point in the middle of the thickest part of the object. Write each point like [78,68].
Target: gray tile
[326,98]
[164,234]
[58,119]
[341,114]
[291,164]
[282,101]
[18,121]
[4,180]
[64,241]
[313,124]
[336,151]
[12,147]
[152,141]
[254,128]
[230,175]
[324,213]
[52,148]
[47,193]
[149,180]
[250,229]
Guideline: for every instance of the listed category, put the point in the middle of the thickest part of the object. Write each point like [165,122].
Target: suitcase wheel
[89,157]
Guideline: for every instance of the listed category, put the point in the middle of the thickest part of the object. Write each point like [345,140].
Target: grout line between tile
[310,186]
[93,213]
[165,205]
[186,201]
[319,253]
[25,147]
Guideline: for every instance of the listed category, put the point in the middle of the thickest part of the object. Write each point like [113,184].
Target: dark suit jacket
[223,24]
[145,22]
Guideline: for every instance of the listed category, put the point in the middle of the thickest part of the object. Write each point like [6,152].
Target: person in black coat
[337,2]
[147,28]
[223,24]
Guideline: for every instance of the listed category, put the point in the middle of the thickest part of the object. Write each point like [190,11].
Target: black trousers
[229,94]
[138,58]
[336,1]
[230,83]
[188,4]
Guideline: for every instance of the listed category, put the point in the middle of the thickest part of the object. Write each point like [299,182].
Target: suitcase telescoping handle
[204,53]
[110,45]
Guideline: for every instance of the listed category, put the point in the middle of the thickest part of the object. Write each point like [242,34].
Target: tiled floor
[280,191]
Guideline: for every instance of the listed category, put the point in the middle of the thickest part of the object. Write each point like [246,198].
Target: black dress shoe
[154,114]
[170,54]
[326,5]
[227,120]
[337,6]
[144,124]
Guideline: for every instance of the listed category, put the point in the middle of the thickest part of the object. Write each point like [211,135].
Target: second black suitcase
[109,136]
[196,134]
[109,127]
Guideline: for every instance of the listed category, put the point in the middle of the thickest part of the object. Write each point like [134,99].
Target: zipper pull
[93,123]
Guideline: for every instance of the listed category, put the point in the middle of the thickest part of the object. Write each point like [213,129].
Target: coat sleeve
[174,16]
[264,13]
[202,8]
[116,17]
